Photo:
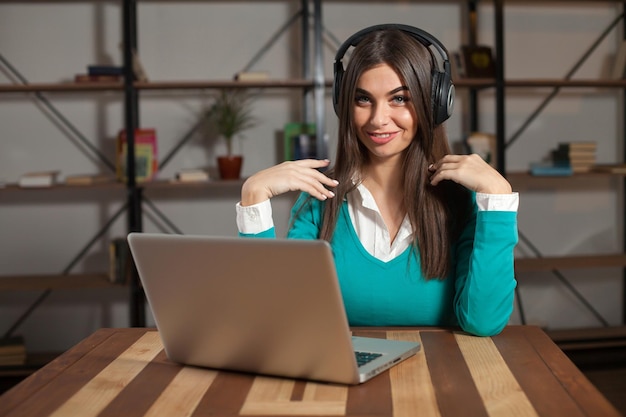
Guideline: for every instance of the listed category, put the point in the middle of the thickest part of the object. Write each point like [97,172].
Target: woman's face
[383,115]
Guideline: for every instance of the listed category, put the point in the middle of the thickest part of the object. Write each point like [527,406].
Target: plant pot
[230,166]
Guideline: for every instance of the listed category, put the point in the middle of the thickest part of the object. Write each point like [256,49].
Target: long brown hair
[436,213]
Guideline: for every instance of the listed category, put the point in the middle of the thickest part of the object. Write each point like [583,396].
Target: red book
[146,162]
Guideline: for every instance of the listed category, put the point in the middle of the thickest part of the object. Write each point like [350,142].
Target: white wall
[50,42]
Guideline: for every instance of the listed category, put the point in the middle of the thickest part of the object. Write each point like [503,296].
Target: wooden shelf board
[60,87]
[589,338]
[290,83]
[555,82]
[185,85]
[34,361]
[569,262]
[578,180]
[156,184]
[61,186]
[54,282]
[171,184]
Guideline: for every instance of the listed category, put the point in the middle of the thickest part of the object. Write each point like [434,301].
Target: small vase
[230,166]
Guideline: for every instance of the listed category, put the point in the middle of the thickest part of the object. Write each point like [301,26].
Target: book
[119,261]
[138,68]
[587,146]
[484,145]
[105,70]
[609,168]
[580,156]
[86,78]
[192,175]
[550,169]
[299,141]
[252,76]
[619,63]
[146,162]
[12,351]
[88,179]
[478,61]
[38,179]
[456,66]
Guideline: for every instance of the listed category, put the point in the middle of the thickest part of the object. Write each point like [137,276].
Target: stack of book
[12,351]
[38,179]
[568,158]
[192,175]
[100,73]
[119,261]
[579,156]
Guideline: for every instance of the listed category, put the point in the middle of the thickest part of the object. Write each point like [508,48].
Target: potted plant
[230,115]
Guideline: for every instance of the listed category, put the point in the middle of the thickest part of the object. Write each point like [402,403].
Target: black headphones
[442,95]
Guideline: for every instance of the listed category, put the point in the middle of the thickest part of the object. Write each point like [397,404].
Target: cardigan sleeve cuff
[497,202]
[254,219]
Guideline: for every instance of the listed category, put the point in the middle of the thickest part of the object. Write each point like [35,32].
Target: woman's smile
[382,138]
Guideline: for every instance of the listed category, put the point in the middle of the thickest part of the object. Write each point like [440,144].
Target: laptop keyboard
[364,357]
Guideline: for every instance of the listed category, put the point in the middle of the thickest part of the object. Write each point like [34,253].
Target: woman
[420,236]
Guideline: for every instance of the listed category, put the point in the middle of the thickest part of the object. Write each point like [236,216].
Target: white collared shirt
[367,220]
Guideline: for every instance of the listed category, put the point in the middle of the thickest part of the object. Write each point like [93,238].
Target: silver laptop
[263,306]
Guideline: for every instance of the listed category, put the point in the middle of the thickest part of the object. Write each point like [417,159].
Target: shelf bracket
[565,282]
[568,76]
[59,116]
[42,297]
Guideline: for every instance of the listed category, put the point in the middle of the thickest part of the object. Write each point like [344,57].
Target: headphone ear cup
[337,85]
[442,96]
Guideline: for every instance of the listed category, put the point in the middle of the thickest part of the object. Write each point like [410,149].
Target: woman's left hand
[471,171]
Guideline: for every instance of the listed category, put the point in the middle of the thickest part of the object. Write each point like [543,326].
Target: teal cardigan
[478,294]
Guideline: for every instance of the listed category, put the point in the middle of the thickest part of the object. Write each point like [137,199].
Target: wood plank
[66,375]
[227,393]
[71,87]
[549,263]
[98,392]
[38,380]
[581,339]
[184,393]
[588,334]
[55,282]
[454,387]
[273,396]
[61,87]
[548,398]
[585,394]
[372,398]
[218,84]
[521,181]
[498,388]
[143,390]
[411,384]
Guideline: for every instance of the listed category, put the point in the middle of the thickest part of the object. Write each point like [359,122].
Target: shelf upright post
[306,57]
[472,40]
[500,105]
[320,124]
[131,122]
[624,178]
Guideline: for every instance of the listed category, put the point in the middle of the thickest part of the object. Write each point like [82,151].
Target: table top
[125,372]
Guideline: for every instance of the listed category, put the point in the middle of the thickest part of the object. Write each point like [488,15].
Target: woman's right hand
[301,175]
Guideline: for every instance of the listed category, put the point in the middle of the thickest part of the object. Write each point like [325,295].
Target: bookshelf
[524,182]
[313,86]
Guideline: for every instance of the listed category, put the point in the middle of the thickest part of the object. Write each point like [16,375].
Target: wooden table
[124,372]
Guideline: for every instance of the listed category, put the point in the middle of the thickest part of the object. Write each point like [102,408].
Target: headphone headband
[442,94]
[424,37]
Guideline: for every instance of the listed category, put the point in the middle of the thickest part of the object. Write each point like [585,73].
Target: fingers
[301,175]
[445,169]
[471,171]
[305,177]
